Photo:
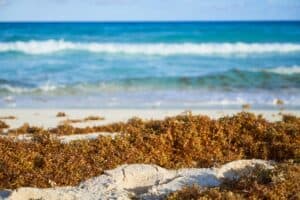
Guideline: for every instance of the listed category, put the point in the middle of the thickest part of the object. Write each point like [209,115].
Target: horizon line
[150,21]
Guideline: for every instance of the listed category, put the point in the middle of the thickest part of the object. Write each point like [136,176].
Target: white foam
[164,49]
[47,87]
[285,70]
[14,89]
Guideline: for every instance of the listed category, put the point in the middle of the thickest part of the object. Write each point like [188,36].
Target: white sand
[143,181]
[89,136]
[64,138]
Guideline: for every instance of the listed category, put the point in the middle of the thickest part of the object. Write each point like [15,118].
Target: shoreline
[47,118]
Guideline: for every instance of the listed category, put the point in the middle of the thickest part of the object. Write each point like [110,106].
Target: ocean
[150,65]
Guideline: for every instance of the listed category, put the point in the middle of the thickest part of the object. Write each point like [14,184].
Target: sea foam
[163,49]
[285,70]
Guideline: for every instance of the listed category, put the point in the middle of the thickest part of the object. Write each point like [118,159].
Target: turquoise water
[141,65]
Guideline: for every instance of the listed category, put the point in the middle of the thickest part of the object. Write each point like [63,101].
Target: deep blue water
[138,65]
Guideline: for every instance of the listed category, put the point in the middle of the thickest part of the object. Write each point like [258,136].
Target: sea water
[150,65]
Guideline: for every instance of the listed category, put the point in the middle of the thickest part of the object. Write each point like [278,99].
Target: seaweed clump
[61,114]
[8,117]
[26,129]
[175,142]
[3,125]
[93,118]
[89,118]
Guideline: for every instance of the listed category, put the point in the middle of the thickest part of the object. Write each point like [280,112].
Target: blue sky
[143,10]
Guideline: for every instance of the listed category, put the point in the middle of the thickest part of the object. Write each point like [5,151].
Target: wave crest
[285,70]
[164,49]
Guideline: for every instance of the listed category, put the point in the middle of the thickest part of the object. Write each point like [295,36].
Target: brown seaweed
[3,125]
[175,142]
[61,114]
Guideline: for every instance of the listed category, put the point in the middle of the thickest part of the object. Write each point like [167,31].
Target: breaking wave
[163,49]
[284,70]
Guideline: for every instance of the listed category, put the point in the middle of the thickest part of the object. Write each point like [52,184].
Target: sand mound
[140,180]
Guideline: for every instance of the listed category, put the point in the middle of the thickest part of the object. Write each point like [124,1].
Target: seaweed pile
[89,118]
[61,114]
[8,117]
[3,125]
[175,142]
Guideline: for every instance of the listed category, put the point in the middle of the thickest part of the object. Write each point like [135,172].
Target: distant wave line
[163,49]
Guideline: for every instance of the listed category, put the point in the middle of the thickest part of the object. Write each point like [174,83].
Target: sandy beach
[142,181]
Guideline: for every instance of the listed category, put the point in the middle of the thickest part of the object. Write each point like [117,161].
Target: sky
[148,10]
